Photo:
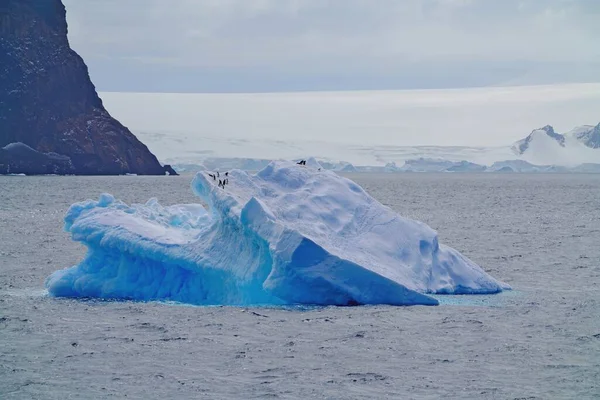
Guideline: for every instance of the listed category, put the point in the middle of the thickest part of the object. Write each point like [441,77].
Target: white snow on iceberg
[289,234]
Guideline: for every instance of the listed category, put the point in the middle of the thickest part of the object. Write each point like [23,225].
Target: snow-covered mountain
[588,135]
[546,134]
[545,146]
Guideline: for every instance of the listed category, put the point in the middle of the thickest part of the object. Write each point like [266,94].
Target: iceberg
[524,166]
[288,234]
[426,165]
[466,166]
[586,168]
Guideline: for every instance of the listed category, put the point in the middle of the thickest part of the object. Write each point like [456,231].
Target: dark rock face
[48,102]
[22,159]
[556,136]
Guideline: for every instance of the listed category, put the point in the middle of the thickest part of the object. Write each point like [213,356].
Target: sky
[326,45]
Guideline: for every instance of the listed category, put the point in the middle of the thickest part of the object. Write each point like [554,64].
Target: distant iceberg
[426,165]
[440,165]
[525,167]
[587,168]
[466,166]
[289,234]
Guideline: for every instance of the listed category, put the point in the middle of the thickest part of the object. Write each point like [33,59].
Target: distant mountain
[588,135]
[49,104]
[546,146]
[545,133]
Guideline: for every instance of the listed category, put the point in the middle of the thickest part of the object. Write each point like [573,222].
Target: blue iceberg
[288,234]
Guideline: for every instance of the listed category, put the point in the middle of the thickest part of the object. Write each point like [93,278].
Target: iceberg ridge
[288,234]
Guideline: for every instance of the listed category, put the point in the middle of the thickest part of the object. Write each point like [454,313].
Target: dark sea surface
[539,233]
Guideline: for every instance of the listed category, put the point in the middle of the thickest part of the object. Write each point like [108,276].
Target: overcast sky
[290,45]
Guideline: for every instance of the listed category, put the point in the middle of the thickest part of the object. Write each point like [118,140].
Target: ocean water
[539,233]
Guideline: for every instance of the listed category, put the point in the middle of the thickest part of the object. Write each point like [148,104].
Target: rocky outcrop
[169,170]
[48,102]
[22,159]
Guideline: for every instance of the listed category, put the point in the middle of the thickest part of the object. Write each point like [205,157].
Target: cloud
[307,43]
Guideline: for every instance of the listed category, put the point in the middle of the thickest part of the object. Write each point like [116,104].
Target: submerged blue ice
[289,234]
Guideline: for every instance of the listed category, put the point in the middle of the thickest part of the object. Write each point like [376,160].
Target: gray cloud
[266,45]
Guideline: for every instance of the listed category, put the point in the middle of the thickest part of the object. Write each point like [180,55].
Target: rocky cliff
[48,102]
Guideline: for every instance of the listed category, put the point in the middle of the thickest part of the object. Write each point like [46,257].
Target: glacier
[288,234]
